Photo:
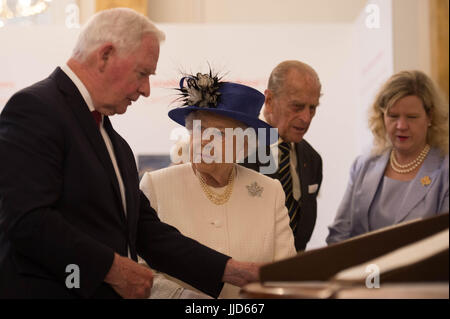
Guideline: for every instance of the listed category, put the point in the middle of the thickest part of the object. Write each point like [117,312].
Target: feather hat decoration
[201,90]
[206,92]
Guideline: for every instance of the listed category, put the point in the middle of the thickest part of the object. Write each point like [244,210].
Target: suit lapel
[302,171]
[258,165]
[417,190]
[125,171]
[87,124]
[368,189]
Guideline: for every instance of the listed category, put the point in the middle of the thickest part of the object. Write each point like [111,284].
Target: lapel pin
[255,190]
[425,181]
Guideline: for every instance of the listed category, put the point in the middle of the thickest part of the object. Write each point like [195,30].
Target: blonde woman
[406,175]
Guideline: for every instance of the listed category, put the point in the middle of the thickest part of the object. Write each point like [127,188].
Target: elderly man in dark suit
[292,97]
[70,202]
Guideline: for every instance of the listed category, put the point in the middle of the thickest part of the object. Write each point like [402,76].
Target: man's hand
[129,279]
[240,273]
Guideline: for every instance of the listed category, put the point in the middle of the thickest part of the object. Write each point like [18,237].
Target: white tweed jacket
[252,226]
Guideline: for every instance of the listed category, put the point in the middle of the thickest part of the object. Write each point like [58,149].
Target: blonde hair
[121,26]
[404,84]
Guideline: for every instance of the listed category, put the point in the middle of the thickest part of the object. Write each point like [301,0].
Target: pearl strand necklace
[218,199]
[407,168]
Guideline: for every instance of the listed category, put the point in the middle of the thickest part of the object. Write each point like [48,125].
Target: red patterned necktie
[97,117]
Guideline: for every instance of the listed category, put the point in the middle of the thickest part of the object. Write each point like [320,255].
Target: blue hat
[204,92]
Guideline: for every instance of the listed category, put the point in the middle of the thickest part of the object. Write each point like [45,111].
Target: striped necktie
[285,177]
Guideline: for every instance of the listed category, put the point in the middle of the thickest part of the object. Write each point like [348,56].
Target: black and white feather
[201,90]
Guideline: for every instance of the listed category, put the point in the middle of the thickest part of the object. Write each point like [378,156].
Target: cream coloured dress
[252,226]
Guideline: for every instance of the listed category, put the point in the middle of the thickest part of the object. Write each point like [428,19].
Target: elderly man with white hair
[72,217]
[292,98]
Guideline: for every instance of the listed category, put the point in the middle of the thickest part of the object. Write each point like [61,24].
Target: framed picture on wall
[148,163]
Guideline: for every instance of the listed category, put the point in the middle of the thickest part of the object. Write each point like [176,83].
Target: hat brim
[179,115]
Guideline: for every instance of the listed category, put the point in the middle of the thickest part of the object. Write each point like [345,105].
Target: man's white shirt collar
[80,86]
[293,161]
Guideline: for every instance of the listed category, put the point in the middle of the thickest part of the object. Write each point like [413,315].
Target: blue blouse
[372,201]
[389,199]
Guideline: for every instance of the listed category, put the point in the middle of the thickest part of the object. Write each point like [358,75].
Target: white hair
[122,27]
[279,73]
[201,115]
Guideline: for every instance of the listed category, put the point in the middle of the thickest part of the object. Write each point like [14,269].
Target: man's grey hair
[278,75]
[122,27]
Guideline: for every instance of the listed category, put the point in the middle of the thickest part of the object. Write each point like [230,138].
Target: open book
[400,264]
[412,252]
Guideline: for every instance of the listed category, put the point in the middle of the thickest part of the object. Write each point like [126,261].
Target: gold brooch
[425,181]
[255,190]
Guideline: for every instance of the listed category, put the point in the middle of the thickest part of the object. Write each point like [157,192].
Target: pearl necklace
[407,168]
[218,199]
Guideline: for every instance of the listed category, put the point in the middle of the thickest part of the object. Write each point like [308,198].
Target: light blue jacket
[367,172]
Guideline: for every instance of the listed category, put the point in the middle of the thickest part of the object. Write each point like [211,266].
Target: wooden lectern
[411,261]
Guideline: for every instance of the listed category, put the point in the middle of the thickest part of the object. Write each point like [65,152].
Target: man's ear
[104,54]
[268,103]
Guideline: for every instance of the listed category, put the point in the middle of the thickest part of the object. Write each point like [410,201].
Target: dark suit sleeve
[32,168]
[165,249]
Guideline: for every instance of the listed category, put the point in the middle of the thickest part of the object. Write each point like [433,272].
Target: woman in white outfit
[213,200]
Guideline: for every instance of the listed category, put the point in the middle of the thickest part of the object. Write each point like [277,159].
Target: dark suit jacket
[60,203]
[309,168]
